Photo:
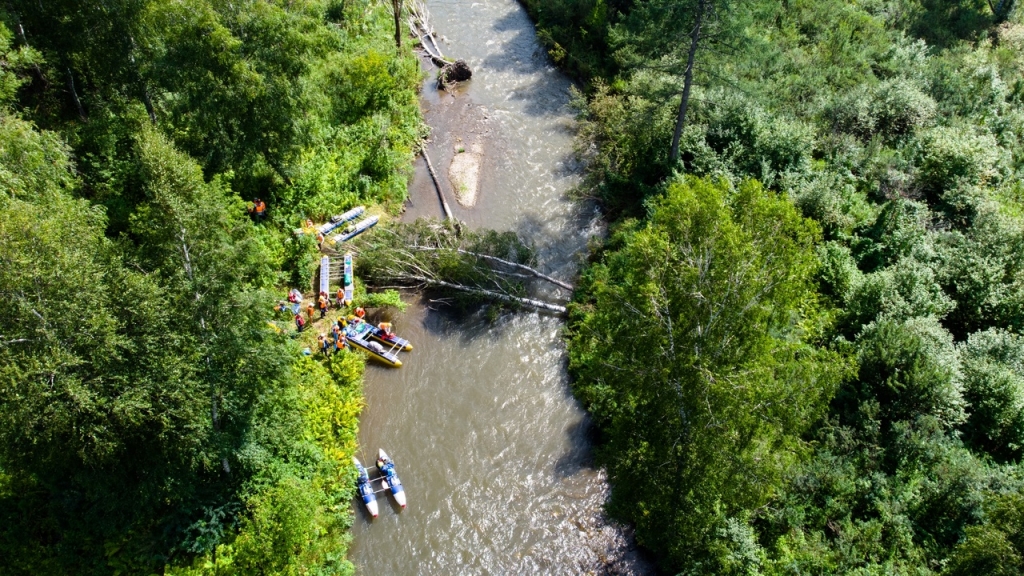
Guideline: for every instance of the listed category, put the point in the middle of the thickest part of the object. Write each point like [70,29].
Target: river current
[493,450]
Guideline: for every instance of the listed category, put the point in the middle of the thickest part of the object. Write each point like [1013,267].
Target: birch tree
[673,36]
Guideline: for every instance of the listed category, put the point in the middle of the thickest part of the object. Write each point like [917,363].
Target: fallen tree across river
[471,266]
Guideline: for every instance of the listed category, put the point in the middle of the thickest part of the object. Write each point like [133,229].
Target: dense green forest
[150,420]
[801,341]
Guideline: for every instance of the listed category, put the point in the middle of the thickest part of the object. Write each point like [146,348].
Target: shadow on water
[580,454]
[521,56]
[514,21]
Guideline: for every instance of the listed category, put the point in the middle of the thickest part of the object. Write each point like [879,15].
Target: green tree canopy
[694,354]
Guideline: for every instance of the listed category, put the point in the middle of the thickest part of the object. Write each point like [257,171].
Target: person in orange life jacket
[324,344]
[319,240]
[386,328]
[258,209]
[322,303]
[300,324]
[360,312]
[309,312]
[340,300]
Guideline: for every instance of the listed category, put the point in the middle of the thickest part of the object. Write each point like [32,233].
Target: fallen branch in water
[451,72]
[437,185]
[434,283]
[420,25]
[524,268]
[488,265]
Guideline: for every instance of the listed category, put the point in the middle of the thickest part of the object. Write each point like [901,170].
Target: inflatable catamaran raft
[335,221]
[389,482]
[381,345]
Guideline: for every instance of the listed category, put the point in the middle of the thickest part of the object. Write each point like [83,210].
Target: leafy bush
[910,369]
[901,108]
[892,109]
[981,270]
[993,363]
[837,273]
[952,157]
[995,547]
[386,299]
[831,200]
[906,290]
[899,231]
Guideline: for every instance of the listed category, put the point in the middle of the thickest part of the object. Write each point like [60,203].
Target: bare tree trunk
[24,40]
[1001,11]
[516,265]
[74,95]
[688,78]
[145,89]
[397,9]
[277,167]
[437,186]
[149,104]
[214,388]
[488,293]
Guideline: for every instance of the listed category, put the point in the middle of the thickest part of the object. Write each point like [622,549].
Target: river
[493,450]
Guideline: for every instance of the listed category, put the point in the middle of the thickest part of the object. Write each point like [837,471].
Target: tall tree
[195,236]
[692,354]
[99,429]
[669,36]
[699,17]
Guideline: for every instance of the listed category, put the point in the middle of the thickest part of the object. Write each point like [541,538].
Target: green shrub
[905,290]
[993,363]
[837,272]
[901,108]
[911,369]
[899,231]
[952,157]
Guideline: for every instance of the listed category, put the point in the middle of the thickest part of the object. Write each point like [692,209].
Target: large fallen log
[420,26]
[516,265]
[437,185]
[431,282]
[431,254]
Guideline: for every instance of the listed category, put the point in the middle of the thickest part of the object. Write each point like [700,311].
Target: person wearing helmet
[258,209]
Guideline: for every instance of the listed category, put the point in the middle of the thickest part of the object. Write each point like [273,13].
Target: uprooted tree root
[453,72]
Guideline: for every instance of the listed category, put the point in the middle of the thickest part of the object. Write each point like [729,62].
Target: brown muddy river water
[493,450]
